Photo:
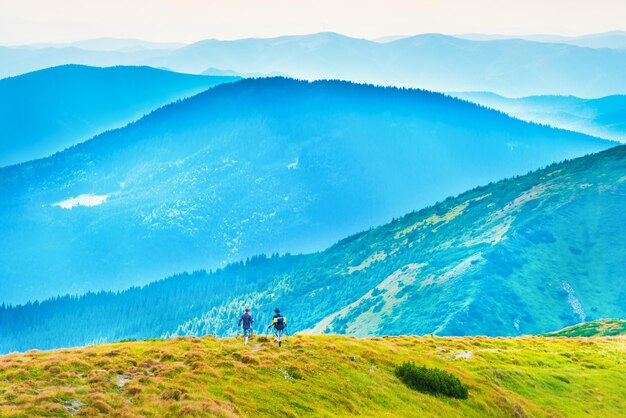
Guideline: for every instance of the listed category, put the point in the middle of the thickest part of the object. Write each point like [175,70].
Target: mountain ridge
[260,165]
[611,39]
[601,117]
[52,109]
[516,257]
[508,67]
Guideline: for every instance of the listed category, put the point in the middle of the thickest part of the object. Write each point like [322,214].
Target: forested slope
[255,166]
[525,255]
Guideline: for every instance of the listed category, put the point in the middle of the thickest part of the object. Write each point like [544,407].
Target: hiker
[247,320]
[279,323]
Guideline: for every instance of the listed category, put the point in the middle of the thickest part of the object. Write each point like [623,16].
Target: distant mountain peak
[94,99]
[582,67]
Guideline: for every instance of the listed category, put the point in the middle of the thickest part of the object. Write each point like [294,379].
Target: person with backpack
[247,321]
[279,323]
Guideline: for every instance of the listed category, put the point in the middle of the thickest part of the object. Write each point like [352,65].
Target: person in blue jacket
[247,321]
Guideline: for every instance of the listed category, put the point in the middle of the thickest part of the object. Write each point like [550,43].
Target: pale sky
[43,21]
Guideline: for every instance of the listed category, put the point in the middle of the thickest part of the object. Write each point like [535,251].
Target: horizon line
[377,39]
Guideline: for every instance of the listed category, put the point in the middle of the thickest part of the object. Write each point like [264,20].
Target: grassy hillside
[597,328]
[317,376]
[255,166]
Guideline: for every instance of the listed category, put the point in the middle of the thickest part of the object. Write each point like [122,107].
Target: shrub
[434,381]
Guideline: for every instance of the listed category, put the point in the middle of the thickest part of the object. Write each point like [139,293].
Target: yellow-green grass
[597,328]
[317,376]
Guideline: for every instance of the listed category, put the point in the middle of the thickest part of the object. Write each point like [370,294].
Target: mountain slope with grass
[525,255]
[46,111]
[604,117]
[320,376]
[597,328]
[255,166]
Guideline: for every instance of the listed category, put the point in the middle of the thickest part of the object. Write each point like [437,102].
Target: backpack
[280,323]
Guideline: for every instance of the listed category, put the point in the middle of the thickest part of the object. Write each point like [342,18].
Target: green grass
[318,376]
[434,381]
[597,328]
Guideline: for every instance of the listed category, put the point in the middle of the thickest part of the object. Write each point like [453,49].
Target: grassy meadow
[322,375]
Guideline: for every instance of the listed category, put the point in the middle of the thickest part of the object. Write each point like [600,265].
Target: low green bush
[434,381]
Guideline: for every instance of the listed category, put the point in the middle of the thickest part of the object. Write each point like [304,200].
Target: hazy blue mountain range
[259,165]
[613,39]
[111,44]
[49,110]
[524,255]
[18,60]
[604,117]
[512,67]
[219,72]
